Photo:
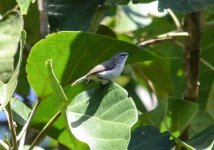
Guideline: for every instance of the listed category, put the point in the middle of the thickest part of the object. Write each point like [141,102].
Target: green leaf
[109,111]
[61,98]
[7,90]
[20,111]
[184,5]
[149,137]
[176,116]
[10,27]
[63,14]
[24,5]
[203,140]
[74,54]
[67,50]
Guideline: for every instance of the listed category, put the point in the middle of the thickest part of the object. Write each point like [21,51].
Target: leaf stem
[42,132]
[97,17]
[24,129]
[4,145]
[9,115]
[175,19]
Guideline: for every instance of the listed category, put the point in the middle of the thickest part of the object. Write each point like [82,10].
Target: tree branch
[43,17]
[192,24]
[8,113]
[42,132]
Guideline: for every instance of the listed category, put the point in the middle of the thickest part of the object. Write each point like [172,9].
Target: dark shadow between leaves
[96,98]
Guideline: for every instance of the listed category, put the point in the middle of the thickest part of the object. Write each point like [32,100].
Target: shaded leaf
[106,109]
[204,139]
[184,5]
[10,27]
[63,14]
[178,115]
[149,137]
[7,90]
[20,111]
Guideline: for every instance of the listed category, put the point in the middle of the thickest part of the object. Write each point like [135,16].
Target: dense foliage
[163,99]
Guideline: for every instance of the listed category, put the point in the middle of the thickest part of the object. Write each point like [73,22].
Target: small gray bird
[107,70]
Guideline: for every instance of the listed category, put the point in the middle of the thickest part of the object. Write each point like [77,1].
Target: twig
[173,34]
[4,145]
[24,129]
[175,19]
[162,38]
[154,41]
[43,17]
[42,132]
[207,64]
[8,113]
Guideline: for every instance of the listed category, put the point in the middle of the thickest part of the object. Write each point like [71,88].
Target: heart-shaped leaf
[103,117]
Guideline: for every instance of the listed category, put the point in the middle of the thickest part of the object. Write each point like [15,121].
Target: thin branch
[24,129]
[162,38]
[4,145]
[42,132]
[8,113]
[175,19]
[43,18]
[207,64]
[154,41]
[173,34]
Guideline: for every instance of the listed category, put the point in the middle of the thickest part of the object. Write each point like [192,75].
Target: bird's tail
[79,80]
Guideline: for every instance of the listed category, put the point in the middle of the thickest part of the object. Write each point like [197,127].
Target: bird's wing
[107,65]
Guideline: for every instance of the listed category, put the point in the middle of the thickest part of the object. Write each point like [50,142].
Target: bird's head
[121,57]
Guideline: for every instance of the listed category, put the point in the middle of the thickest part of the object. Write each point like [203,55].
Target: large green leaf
[174,116]
[61,99]
[184,5]
[149,137]
[69,52]
[203,140]
[7,89]
[10,27]
[109,111]
[74,54]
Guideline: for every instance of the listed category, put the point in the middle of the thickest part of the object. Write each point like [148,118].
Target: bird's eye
[123,55]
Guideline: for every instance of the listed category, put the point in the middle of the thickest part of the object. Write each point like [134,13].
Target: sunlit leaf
[103,117]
